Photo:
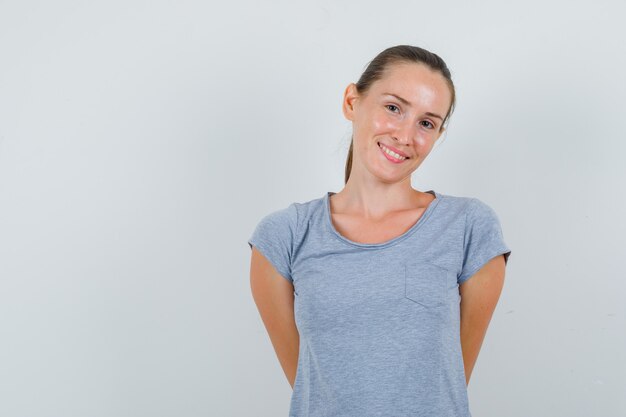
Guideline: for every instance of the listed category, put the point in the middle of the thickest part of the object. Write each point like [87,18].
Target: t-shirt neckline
[425,215]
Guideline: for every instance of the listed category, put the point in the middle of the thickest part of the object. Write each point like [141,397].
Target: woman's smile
[391,155]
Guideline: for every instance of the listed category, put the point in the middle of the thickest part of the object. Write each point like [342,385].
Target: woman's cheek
[421,142]
[383,124]
[425,143]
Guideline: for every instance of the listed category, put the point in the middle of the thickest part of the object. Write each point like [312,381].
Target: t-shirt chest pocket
[426,283]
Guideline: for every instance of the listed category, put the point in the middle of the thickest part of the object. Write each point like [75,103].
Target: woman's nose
[405,131]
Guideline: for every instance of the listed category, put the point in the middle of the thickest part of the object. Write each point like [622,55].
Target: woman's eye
[429,123]
[389,106]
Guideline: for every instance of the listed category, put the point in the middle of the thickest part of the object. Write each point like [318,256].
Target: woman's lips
[391,148]
[389,157]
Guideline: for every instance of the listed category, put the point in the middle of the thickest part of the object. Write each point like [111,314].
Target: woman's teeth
[390,152]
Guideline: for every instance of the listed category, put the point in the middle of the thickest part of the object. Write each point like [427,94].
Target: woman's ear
[350,95]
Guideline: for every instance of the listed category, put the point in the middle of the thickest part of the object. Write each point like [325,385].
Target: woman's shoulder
[475,209]
[469,206]
[456,201]
[290,215]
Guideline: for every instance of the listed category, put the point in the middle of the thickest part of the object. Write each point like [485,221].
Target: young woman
[377,298]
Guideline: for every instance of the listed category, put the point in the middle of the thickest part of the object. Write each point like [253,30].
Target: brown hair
[400,53]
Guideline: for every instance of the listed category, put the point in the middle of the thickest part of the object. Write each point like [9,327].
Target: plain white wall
[141,142]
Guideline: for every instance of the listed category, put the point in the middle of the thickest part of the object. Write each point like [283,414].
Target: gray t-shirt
[379,324]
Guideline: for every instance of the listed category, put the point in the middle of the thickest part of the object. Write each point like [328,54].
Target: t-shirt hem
[483,261]
[261,248]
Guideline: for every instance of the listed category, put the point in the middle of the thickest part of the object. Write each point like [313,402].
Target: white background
[142,141]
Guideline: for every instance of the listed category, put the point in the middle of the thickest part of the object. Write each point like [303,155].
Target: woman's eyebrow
[399,98]
[407,103]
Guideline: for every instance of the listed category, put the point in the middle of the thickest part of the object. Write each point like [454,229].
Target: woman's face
[403,112]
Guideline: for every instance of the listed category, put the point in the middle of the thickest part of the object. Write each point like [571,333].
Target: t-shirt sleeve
[274,236]
[483,239]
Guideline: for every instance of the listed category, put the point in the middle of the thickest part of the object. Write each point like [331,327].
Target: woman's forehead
[415,83]
[412,75]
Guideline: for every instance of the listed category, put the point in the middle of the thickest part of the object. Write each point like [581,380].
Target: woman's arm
[273,295]
[479,296]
